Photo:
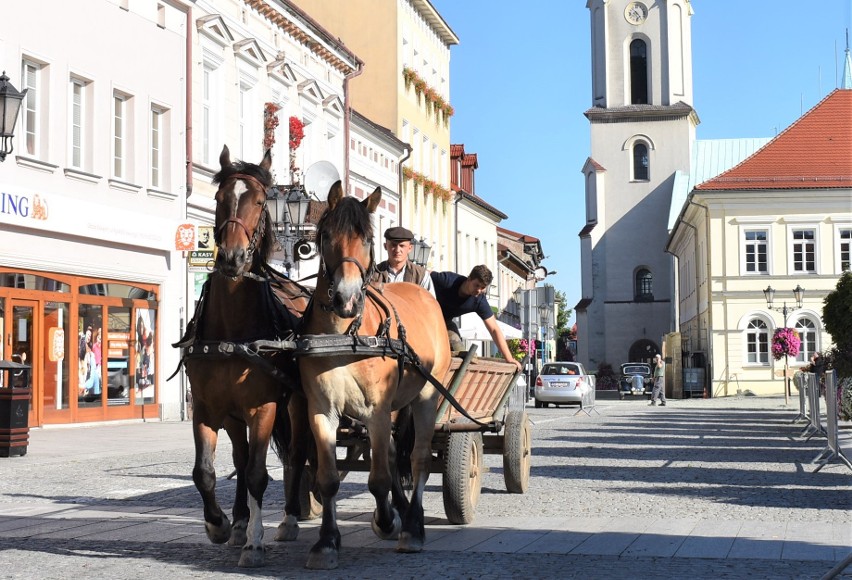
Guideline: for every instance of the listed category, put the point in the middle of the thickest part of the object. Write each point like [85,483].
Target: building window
[808,335]
[156,147]
[210,112]
[755,250]
[845,250]
[644,286]
[640,162]
[804,251]
[78,124]
[638,73]
[32,105]
[757,342]
[119,136]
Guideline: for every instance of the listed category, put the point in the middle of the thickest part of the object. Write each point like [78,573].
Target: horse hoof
[408,544]
[393,533]
[288,530]
[322,559]
[238,537]
[218,534]
[251,557]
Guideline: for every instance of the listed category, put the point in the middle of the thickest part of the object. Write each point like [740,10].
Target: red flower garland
[297,133]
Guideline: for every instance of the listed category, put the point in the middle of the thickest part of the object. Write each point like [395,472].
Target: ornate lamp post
[421,253]
[798,294]
[288,211]
[544,315]
[10,106]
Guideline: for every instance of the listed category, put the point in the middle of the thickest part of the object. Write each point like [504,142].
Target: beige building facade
[405,86]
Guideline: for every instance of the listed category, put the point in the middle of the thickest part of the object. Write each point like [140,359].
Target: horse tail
[281,430]
[404,442]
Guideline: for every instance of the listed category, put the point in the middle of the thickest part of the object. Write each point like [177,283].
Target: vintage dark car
[636,379]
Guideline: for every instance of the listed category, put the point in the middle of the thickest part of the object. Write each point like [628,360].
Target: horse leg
[216,523]
[236,430]
[297,409]
[386,521]
[413,534]
[324,553]
[257,478]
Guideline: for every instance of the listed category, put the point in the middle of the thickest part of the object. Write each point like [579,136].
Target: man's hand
[516,363]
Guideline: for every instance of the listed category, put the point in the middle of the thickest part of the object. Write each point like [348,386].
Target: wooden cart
[486,389]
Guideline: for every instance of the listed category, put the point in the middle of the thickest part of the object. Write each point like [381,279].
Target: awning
[472,328]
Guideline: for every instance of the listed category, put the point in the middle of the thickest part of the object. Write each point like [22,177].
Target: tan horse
[236,389]
[369,388]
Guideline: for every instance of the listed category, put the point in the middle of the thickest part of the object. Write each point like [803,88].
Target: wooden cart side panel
[482,388]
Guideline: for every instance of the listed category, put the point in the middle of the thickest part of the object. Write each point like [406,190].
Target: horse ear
[266,163]
[225,157]
[335,194]
[372,202]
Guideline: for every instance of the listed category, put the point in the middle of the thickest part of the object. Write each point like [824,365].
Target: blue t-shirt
[447,286]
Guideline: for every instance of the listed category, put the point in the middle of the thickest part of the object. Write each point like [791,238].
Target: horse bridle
[328,273]
[261,223]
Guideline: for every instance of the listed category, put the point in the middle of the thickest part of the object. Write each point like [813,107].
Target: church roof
[710,157]
[815,152]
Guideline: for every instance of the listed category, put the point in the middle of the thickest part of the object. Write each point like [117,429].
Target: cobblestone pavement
[702,488]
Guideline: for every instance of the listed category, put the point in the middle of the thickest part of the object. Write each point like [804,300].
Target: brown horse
[369,388]
[233,386]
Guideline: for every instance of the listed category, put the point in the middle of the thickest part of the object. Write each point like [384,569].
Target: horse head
[345,240]
[244,231]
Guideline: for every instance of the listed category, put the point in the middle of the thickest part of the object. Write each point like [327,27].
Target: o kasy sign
[197,243]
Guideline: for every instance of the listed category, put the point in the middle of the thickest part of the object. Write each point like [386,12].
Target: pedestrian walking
[659,390]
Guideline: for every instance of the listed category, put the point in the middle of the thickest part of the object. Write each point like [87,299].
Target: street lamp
[10,106]
[422,251]
[544,315]
[288,211]
[798,294]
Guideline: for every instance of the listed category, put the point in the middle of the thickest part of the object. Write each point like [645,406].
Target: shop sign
[201,257]
[185,238]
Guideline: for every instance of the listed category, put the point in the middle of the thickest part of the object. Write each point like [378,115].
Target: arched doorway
[643,351]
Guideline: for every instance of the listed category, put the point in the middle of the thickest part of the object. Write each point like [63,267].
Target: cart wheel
[462,476]
[517,452]
[309,501]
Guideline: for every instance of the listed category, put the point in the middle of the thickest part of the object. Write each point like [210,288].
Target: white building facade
[91,198]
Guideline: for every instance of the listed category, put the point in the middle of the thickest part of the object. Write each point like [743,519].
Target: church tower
[642,133]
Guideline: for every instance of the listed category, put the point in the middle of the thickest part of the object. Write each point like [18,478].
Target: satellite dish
[319,178]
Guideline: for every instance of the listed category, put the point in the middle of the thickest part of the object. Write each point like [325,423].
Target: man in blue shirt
[459,295]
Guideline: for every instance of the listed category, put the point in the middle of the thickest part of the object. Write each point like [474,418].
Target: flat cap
[399,233]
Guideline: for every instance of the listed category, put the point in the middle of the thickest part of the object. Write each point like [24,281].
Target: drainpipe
[347,117]
[401,180]
[456,231]
[188,105]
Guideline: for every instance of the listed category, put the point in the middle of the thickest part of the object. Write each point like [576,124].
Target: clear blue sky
[520,82]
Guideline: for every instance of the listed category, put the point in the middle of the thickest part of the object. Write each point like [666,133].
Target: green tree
[564,314]
[837,318]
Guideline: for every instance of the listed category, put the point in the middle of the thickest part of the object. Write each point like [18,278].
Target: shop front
[90,342]
[91,296]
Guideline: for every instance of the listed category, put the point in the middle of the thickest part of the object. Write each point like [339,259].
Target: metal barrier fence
[832,450]
[809,391]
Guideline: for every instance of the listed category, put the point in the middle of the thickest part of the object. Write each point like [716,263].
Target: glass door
[22,340]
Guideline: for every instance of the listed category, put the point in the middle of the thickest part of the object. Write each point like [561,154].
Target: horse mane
[267,238]
[348,217]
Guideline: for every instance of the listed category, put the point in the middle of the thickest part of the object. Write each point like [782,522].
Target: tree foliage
[837,318]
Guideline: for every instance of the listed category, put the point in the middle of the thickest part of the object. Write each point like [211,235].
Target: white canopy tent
[471,327]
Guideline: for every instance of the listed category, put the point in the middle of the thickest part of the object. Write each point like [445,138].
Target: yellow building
[405,86]
[782,219]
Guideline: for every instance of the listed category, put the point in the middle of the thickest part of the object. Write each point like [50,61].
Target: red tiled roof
[815,152]
[517,235]
[470,160]
[456,150]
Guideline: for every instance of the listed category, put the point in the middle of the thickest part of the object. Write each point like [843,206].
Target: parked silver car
[564,383]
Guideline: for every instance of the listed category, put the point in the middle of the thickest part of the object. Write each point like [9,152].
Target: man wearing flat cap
[398,268]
